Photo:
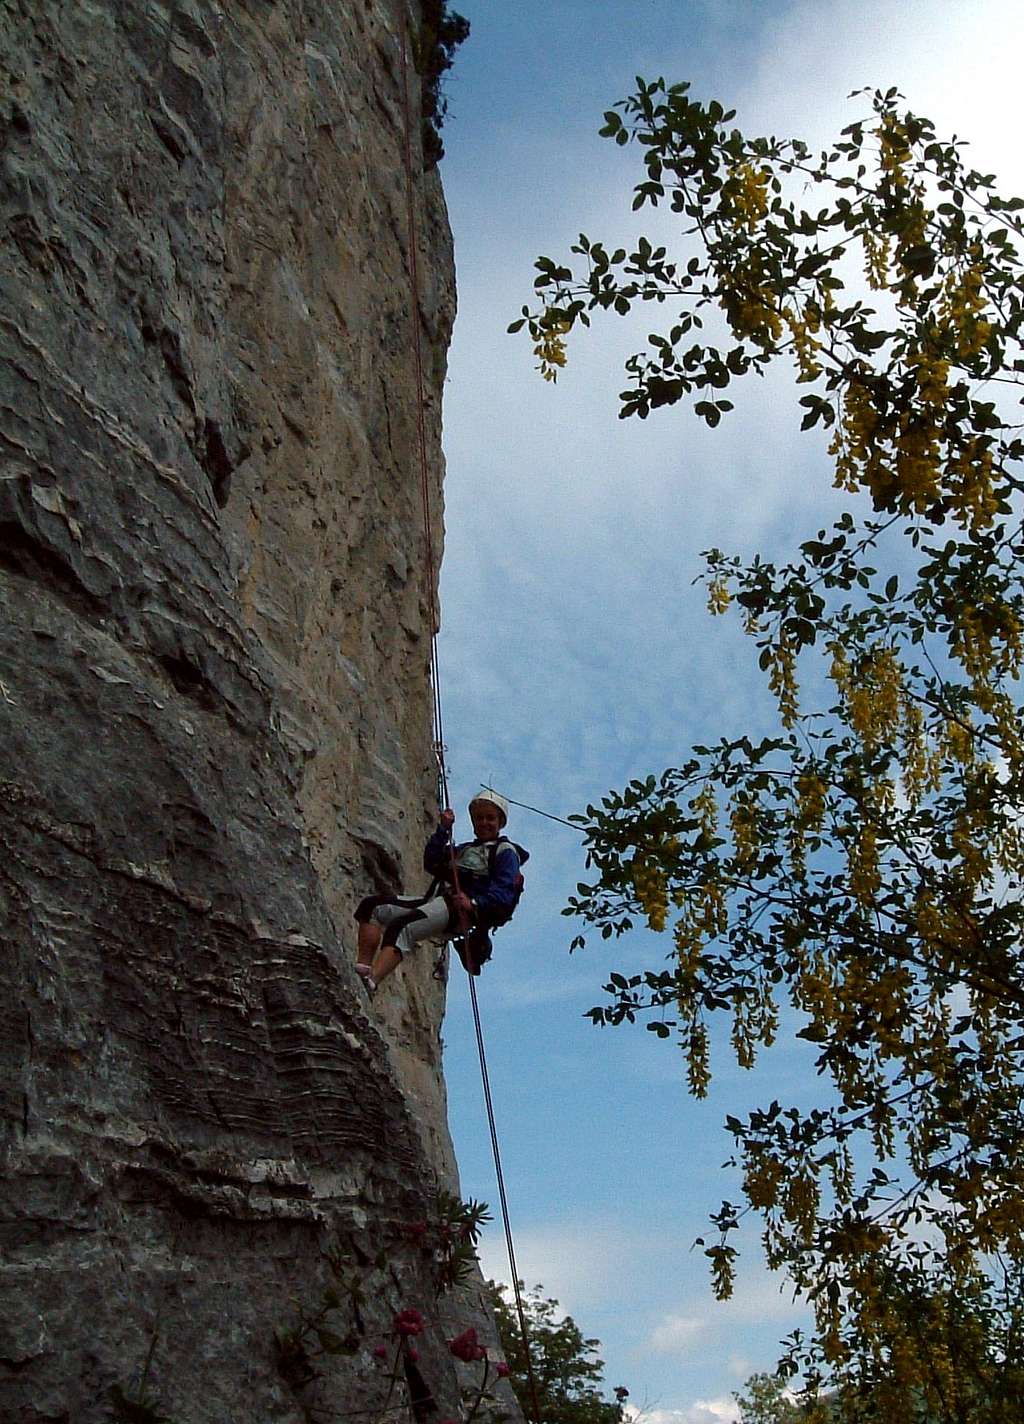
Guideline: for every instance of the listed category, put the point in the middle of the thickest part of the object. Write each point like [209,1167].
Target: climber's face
[486,820]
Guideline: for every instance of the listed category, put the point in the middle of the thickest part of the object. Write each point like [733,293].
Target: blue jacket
[490,892]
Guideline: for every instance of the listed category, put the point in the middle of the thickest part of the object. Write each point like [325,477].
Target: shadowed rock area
[214,707]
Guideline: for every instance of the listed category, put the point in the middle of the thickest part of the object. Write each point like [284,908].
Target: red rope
[435,681]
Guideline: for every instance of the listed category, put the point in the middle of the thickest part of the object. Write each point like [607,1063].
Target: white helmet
[495,798]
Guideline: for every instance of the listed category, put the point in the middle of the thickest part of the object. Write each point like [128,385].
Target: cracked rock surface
[214,706]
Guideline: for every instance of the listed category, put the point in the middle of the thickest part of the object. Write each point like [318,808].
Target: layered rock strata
[214,706]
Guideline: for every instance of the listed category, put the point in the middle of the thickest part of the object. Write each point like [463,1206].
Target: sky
[575,651]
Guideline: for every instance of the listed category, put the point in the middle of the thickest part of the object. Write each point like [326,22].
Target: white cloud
[759,1295]
[580,1265]
[701,1411]
[676,1333]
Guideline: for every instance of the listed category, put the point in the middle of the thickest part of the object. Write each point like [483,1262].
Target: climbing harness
[435,682]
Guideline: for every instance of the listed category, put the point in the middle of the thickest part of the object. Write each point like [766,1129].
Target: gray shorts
[424,919]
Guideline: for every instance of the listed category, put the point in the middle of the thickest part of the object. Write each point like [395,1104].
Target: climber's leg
[368,943]
[372,915]
[405,928]
[386,962]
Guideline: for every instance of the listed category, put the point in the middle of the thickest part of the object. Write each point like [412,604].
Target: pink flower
[380,1352]
[466,1347]
[412,1355]
[502,1370]
[409,1322]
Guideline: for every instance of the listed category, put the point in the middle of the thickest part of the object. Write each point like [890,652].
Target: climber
[479,897]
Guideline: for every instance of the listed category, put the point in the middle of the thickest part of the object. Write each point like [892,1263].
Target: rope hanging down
[435,683]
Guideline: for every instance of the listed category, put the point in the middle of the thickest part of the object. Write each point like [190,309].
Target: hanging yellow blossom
[706,808]
[719,596]
[876,259]
[747,190]
[865,875]
[651,885]
[893,150]
[874,697]
[915,763]
[960,311]
[550,349]
[970,478]
[805,346]
[811,791]
[743,824]
[782,681]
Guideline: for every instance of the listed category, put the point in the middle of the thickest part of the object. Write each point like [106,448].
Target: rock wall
[214,707]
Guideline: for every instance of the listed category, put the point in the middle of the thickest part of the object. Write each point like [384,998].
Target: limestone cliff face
[214,703]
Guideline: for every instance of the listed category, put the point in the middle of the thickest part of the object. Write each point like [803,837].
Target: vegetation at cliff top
[855,877]
[442,32]
[764,1400]
[566,1369]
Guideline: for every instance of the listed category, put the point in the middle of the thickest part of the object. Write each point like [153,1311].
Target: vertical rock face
[214,706]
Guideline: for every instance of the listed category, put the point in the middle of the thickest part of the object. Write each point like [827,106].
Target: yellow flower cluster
[706,808]
[970,475]
[959,741]
[864,874]
[1001,1222]
[988,646]
[1007,724]
[944,930]
[874,699]
[782,681]
[909,461]
[893,150]
[811,792]
[876,259]
[689,940]
[755,1021]
[752,313]
[763,1175]
[1009,850]
[745,838]
[746,190]
[814,991]
[913,234]
[698,1067]
[921,764]
[651,886]
[800,1202]
[808,813]
[960,311]
[550,350]
[968,837]
[895,156]
[931,373]
[719,596]
[751,306]
[854,445]
[805,344]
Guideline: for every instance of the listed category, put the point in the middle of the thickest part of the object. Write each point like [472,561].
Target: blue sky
[575,651]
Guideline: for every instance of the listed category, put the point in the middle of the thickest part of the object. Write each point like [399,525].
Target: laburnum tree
[565,1365]
[860,870]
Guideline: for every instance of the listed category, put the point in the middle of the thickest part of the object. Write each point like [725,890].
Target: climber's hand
[462,908]
[448,818]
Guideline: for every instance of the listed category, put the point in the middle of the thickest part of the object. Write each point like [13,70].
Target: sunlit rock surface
[214,702]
